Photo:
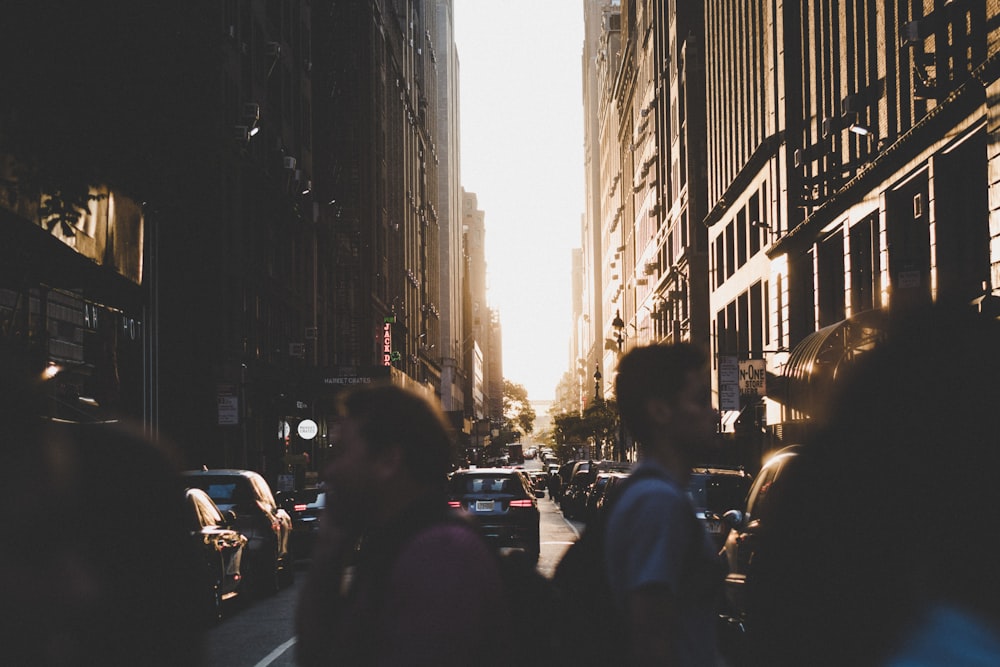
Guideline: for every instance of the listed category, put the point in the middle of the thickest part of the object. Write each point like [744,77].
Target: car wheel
[287,570]
[266,574]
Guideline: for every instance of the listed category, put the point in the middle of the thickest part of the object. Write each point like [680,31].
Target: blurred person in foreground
[877,551]
[97,566]
[395,578]
[663,571]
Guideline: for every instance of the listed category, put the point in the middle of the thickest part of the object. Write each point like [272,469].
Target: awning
[817,361]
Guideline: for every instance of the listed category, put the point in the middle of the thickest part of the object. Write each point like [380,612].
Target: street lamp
[597,382]
[618,324]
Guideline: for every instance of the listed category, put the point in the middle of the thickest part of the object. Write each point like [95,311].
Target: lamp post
[597,382]
[618,324]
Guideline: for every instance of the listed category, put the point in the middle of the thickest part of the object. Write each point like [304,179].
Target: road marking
[275,654]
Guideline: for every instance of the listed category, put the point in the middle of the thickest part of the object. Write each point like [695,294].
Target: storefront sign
[307,429]
[753,377]
[729,383]
[387,344]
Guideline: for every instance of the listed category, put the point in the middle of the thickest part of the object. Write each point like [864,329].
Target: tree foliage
[517,411]
[598,421]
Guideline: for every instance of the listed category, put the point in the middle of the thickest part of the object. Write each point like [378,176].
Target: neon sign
[387,344]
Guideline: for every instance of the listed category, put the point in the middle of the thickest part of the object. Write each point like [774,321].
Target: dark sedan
[222,548]
[267,526]
[305,507]
[503,503]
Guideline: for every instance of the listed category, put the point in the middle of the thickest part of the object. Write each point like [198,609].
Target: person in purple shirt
[395,578]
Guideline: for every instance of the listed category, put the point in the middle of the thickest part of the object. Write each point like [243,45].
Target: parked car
[305,507]
[574,496]
[503,504]
[714,491]
[598,491]
[222,548]
[539,481]
[257,515]
[745,523]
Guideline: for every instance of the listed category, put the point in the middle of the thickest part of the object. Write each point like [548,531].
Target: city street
[262,633]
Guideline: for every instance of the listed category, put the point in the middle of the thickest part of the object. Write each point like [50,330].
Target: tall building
[264,209]
[848,176]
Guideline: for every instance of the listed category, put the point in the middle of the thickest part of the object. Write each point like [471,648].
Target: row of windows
[744,236]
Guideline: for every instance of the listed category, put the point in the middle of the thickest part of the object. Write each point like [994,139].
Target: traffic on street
[259,632]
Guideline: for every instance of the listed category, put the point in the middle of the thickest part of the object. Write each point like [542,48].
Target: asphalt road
[261,632]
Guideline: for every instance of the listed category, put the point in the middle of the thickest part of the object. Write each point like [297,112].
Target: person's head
[663,393]
[98,565]
[389,443]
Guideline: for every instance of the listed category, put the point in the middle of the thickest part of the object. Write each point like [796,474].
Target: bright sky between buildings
[522,154]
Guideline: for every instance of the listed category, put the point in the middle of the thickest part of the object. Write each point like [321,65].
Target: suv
[503,503]
[745,525]
[266,526]
[713,491]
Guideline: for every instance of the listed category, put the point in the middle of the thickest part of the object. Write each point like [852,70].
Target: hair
[882,512]
[653,371]
[389,416]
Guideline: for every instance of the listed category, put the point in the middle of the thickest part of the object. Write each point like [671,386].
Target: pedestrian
[661,567]
[877,545]
[97,563]
[395,578]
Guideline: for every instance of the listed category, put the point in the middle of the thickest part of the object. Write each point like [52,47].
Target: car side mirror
[733,518]
[229,516]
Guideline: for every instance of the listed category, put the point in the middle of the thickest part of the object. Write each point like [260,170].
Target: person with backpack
[664,576]
[396,578]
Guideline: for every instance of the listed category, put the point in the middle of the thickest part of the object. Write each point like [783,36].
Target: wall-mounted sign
[729,383]
[753,377]
[307,429]
[387,344]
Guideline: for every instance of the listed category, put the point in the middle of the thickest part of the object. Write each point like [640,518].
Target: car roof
[222,471]
[712,470]
[491,471]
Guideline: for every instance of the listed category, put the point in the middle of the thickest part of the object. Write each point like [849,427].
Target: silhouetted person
[878,548]
[663,571]
[96,563]
[395,578]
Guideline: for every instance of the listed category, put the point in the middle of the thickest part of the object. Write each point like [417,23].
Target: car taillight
[454,503]
[521,503]
[300,508]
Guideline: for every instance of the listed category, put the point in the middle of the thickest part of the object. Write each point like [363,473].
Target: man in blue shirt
[662,569]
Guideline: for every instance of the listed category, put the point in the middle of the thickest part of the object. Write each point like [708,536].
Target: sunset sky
[522,154]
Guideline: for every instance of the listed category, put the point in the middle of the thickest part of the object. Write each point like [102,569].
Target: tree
[598,421]
[517,411]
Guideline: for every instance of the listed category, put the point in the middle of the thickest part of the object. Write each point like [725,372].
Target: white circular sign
[308,429]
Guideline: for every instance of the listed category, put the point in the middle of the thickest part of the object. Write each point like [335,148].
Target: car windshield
[485,484]
[225,491]
[717,493]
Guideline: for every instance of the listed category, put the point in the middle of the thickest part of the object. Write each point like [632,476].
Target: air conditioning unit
[312,333]
[912,33]
[828,127]
[251,112]
[289,162]
[799,157]
[651,268]
[241,133]
[850,104]
[272,50]
[296,349]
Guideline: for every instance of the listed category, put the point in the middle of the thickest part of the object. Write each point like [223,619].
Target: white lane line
[275,654]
